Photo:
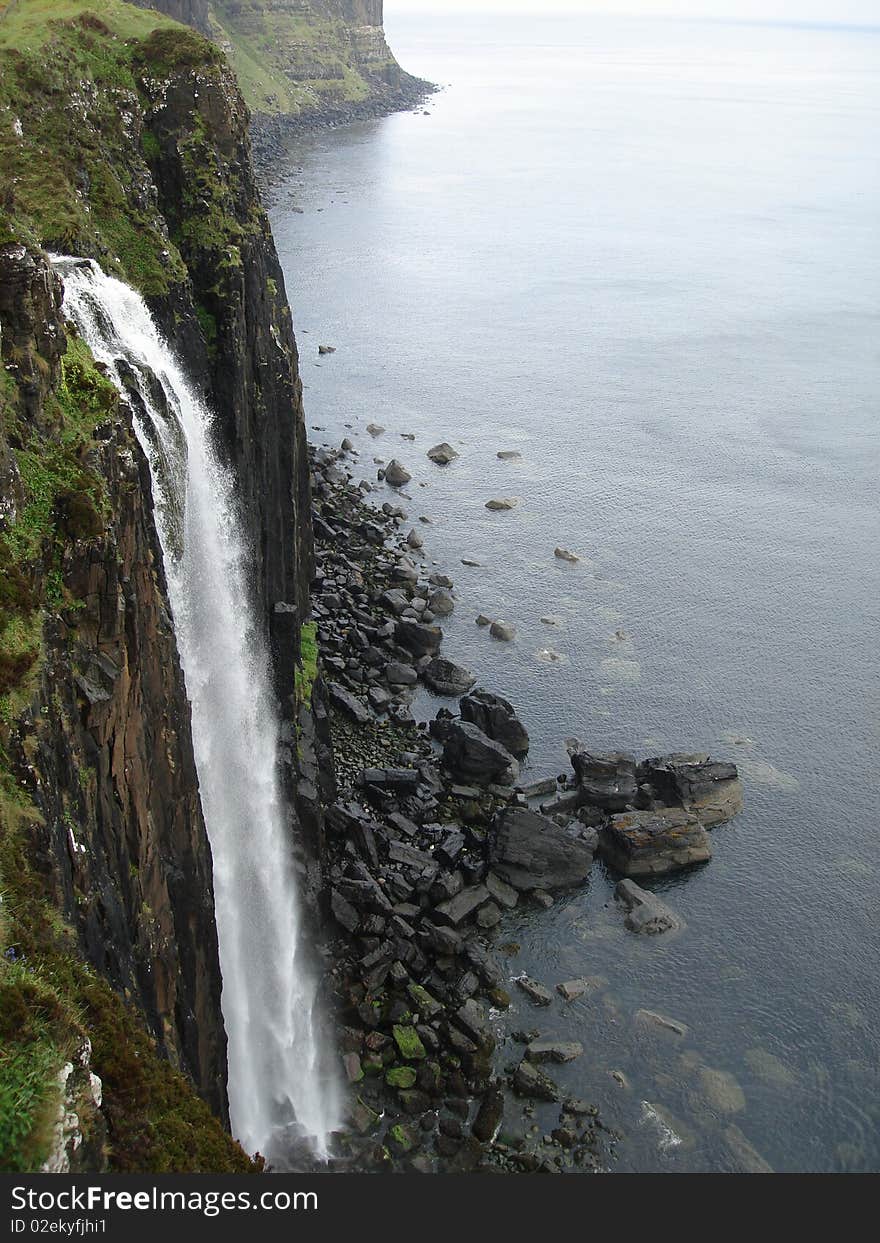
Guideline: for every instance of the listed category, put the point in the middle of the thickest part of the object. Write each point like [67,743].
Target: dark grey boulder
[532,852]
[469,754]
[651,843]
[419,639]
[607,781]
[446,678]
[497,719]
[396,474]
[348,703]
[530,1081]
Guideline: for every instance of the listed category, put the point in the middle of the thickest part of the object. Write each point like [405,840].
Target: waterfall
[280,1094]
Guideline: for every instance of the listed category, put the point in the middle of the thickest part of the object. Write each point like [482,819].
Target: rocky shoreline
[271,134]
[431,839]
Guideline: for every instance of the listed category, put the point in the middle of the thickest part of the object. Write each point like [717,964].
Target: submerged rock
[564,555]
[501,503]
[442,454]
[645,911]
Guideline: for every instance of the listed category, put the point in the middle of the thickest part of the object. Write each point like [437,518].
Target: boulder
[396,474]
[497,719]
[490,1114]
[375,429]
[417,638]
[531,852]
[554,1050]
[502,630]
[465,904]
[645,911]
[564,555]
[469,754]
[650,843]
[351,706]
[502,503]
[535,992]
[607,781]
[398,674]
[441,602]
[445,678]
[709,788]
[533,1083]
[442,454]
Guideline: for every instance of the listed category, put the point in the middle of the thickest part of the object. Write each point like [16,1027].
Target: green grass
[305,675]
[28,24]
[70,175]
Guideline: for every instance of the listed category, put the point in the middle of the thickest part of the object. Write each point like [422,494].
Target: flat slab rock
[651,843]
[529,851]
[554,1050]
[536,992]
[645,911]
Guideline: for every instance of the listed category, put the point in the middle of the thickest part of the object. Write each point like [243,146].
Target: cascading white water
[278,1088]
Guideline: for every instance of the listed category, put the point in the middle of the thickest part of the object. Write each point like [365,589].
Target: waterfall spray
[279,1089]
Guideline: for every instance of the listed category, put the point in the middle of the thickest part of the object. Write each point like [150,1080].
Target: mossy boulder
[409,1043]
[400,1077]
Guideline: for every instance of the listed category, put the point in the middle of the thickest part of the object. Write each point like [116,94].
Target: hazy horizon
[846,12]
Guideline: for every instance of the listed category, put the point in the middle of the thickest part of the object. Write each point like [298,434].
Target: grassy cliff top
[29,24]
[74,172]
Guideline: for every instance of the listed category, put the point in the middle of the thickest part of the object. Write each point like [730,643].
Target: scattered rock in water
[554,1050]
[721,1090]
[564,555]
[414,541]
[652,843]
[473,564]
[652,1021]
[549,655]
[746,1158]
[407,436]
[446,678]
[645,911]
[570,990]
[441,602]
[326,349]
[532,852]
[442,454]
[375,429]
[396,474]
[536,993]
[509,455]
[482,620]
[532,1082]
[502,630]
[549,621]
[502,503]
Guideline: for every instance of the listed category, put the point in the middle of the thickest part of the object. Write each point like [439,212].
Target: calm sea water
[646,255]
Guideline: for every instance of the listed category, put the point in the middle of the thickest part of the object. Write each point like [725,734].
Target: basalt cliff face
[107,929]
[299,61]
